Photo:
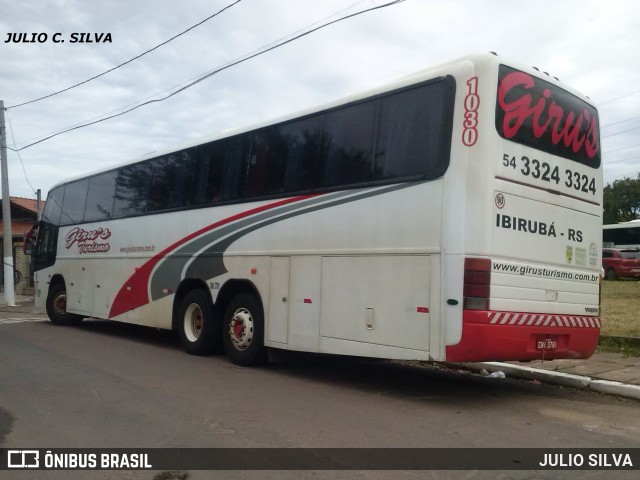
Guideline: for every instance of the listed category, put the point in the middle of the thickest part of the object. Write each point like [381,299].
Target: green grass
[630,347]
[620,316]
[620,308]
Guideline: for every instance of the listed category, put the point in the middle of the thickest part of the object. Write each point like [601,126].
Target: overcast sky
[593,46]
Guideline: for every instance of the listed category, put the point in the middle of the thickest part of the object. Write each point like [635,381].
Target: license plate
[546,343]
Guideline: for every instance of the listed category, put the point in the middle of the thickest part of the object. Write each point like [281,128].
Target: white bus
[621,235]
[453,215]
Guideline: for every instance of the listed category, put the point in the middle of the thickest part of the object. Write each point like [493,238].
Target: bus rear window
[541,115]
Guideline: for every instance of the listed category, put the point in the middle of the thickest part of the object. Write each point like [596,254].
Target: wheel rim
[193,322]
[241,329]
[60,304]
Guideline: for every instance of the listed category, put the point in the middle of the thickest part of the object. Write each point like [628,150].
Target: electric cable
[214,72]
[128,61]
[24,170]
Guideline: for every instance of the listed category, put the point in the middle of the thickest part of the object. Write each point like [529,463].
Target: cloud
[590,45]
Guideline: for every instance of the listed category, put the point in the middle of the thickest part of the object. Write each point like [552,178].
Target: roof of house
[27,203]
[21,227]
[18,228]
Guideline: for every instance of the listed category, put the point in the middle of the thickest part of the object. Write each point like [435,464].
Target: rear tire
[57,307]
[611,274]
[243,331]
[199,324]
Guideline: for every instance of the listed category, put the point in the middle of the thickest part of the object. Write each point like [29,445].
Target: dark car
[621,262]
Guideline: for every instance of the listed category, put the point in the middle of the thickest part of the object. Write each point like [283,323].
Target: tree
[622,200]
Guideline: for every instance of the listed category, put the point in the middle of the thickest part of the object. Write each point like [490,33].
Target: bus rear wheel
[199,324]
[243,331]
[57,307]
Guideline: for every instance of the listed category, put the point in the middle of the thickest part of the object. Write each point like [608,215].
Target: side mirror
[30,240]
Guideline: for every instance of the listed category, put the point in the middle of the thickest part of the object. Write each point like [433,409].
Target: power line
[621,160]
[619,133]
[618,98]
[625,175]
[621,148]
[216,71]
[618,123]
[128,61]
[24,170]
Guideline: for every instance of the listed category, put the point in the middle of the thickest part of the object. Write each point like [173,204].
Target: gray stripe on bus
[168,273]
[210,263]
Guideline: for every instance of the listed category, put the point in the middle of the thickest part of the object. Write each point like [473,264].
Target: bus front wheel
[243,331]
[199,324]
[57,307]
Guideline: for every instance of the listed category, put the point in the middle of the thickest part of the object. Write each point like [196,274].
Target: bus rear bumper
[500,336]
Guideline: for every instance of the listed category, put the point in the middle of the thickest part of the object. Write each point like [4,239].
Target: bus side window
[132,190]
[350,135]
[53,207]
[265,168]
[304,163]
[102,189]
[46,243]
[161,170]
[182,166]
[409,132]
[210,167]
[173,178]
[75,199]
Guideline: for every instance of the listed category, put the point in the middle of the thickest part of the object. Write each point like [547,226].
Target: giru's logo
[88,241]
[537,113]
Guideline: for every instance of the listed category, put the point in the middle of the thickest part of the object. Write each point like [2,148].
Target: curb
[615,388]
[556,378]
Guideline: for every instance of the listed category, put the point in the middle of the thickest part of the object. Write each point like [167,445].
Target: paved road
[105,384]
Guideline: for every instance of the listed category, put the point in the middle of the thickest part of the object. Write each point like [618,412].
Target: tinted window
[265,163]
[173,180]
[349,142]
[218,168]
[75,197]
[410,133]
[622,235]
[132,190]
[46,245]
[163,172]
[53,206]
[304,140]
[184,169]
[102,189]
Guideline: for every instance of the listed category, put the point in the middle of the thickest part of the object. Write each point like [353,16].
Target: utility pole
[7,240]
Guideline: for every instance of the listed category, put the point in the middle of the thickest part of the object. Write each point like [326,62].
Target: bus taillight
[477,283]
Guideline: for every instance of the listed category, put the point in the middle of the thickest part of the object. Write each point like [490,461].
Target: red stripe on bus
[135,291]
